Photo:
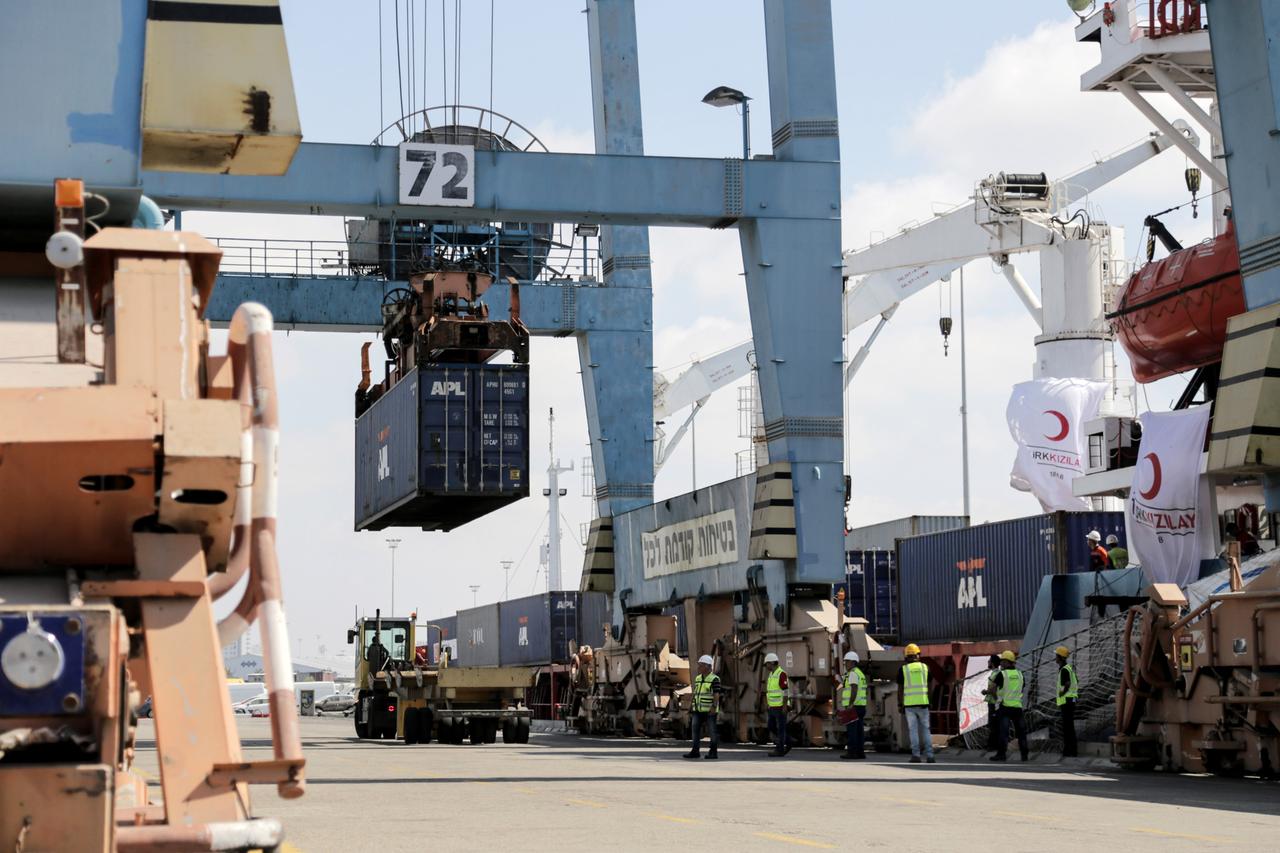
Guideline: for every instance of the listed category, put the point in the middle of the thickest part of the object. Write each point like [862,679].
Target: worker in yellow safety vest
[851,707]
[1068,692]
[775,695]
[706,686]
[913,699]
[993,699]
[1008,683]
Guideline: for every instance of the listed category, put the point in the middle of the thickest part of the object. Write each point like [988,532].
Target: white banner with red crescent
[1164,515]
[1046,418]
[973,705]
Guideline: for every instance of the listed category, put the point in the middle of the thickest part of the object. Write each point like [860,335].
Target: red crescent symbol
[1155,477]
[1062,425]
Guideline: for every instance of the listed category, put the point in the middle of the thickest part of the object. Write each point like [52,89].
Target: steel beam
[1246,63]
[361,180]
[333,304]
[793,273]
[617,367]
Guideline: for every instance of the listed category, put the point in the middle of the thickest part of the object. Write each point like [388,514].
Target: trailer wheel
[410,726]
[425,721]
[522,730]
[459,730]
[475,729]
[362,730]
[490,731]
[445,733]
[508,731]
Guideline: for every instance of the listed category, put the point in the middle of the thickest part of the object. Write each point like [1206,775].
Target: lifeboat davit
[1172,315]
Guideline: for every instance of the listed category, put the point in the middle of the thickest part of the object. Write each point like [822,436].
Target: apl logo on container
[447,389]
[384,457]
[523,639]
[969,593]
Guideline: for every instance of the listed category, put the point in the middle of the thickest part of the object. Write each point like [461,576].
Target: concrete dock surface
[565,793]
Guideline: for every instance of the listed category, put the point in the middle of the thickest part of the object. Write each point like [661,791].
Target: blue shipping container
[595,614]
[445,445]
[539,629]
[980,583]
[871,591]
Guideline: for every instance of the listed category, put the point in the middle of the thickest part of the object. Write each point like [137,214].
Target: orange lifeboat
[1172,315]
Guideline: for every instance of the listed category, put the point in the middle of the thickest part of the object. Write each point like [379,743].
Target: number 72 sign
[437,175]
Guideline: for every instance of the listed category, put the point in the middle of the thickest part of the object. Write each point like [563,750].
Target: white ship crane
[1080,261]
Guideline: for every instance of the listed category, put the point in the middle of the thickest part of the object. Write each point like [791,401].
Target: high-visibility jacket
[853,678]
[704,693]
[915,684]
[773,692]
[1072,692]
[1011,688]
[992,697]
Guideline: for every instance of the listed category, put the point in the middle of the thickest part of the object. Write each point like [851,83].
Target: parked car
[145,710]
[257,707]
[336,703]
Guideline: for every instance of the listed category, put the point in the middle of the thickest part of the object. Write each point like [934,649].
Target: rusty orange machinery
[1201,689]
[125,507]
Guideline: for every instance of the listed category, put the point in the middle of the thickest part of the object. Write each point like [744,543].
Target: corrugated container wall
[445,445]
[539,629]
[885,534]
[871,591]
[479,636]
[682,629]
[980,583]
[595,614]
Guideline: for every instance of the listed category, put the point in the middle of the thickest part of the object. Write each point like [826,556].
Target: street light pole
[393,544]
[474,589]
[506,589]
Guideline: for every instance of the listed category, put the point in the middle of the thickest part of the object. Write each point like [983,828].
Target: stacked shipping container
[980,583]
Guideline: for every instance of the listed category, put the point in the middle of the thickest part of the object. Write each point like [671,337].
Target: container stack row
[964,584]
[537,630]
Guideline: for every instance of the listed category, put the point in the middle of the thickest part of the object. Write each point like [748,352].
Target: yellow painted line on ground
[675,819]
[1146,830]
[286,847]
[1028,815]
[909,801]
[791,839]
[590,803]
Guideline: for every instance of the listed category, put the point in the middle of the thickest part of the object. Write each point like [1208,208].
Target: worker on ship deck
[1117,553]
[778,701]
[1098,558]
[706,689]
[913,701]
[851,707]
[1008,683]
[1068,693]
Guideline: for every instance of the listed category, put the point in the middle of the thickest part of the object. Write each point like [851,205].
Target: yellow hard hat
[912,649]
[1007,655]
[1062,651]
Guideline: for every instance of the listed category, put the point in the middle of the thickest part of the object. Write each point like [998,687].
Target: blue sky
[933,96]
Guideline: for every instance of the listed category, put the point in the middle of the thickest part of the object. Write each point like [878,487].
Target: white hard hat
[1094,536]
[1113,539]
[771,658]
[852,656]
[706,659]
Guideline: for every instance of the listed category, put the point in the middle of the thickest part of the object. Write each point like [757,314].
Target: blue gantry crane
[785,206]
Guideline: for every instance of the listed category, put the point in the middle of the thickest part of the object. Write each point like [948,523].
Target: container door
[445,395]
